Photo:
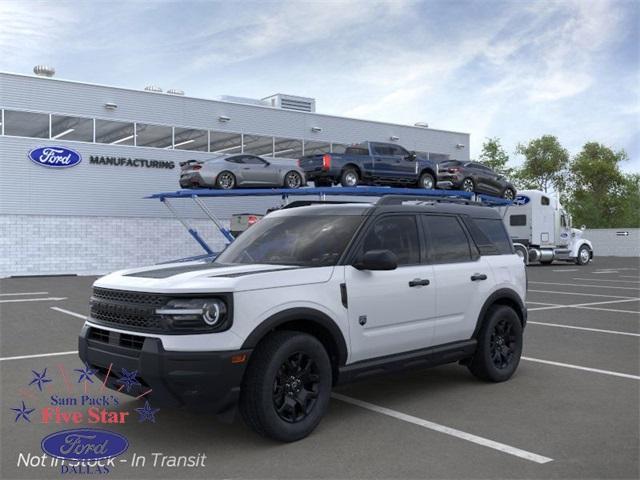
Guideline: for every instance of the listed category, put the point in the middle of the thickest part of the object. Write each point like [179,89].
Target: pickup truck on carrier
[371,163]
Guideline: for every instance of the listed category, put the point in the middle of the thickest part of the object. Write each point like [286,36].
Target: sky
[514,70]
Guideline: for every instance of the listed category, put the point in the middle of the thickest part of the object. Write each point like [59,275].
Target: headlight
[197,314]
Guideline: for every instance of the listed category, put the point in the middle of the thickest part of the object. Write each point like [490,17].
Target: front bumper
[449,181]
[193,379]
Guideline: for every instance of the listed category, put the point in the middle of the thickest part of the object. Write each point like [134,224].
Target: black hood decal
[171,271]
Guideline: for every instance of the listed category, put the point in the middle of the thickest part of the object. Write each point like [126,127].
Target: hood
[201,277]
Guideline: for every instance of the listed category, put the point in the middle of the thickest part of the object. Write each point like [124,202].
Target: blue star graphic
[147,413]
[128,379]
[23,412]
[39,379]
[85,373]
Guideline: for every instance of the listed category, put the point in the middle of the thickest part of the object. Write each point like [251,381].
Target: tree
[545,163]
[494,156]
[600,195]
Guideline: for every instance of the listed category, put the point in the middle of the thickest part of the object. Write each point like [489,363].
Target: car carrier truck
[541,230]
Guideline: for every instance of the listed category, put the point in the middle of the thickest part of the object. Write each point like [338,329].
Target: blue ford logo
[84,444]
[521,200]
[55,157]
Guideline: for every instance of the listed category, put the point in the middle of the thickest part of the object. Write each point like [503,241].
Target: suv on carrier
[311,297]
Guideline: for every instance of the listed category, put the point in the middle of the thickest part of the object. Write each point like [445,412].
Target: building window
[287,148]
[258,145]
[26,124]
[190,139]
[71,128]
[157,136]
[114,133]
[314,148]
[225,142]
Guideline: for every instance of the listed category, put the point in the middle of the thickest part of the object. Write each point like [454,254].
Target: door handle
[478,276]
[418,282]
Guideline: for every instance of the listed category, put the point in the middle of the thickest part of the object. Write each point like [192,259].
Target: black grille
[135,310]
[131,341]
[99,335]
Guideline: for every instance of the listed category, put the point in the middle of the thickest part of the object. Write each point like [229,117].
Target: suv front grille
[129,310]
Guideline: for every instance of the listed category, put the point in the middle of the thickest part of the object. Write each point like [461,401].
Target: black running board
[427,357]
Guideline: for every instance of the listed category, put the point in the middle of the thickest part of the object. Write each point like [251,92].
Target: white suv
[310,297]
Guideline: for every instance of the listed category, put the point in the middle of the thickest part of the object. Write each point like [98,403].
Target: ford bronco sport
[311,297]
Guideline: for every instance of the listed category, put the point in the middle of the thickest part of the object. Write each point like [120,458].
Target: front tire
[427,181]
[499,345]
[584,255]
[287,386]
[225,180]
[293,180]
[508,194]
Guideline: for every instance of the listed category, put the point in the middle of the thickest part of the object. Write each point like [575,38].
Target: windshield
[307,241]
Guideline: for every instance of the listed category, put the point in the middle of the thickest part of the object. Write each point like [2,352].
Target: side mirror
[412,155]
[377,260]
[266,164]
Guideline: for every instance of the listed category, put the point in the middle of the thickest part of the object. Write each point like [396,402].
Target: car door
[390,311]
[462,278]
[404,165]
[257,171]
[383,160]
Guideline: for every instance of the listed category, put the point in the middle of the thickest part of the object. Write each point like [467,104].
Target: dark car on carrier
[474,177]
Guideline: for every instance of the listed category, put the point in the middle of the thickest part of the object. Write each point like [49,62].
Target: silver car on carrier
[241,170]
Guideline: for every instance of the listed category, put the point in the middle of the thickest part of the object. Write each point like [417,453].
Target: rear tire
[292,180]
[499,345]
[508,194]
[225,180]
[287,386]
[349,178]
[468,185]
[427,181]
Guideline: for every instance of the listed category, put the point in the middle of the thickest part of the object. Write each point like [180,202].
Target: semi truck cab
[541,230]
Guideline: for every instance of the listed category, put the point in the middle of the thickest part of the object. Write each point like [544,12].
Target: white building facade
[92,217]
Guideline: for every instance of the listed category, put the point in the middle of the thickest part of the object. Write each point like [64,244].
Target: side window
[494,230]
[447,239]
[399,151]
[399,234]
[251,160]
[234,160]
[518,220]
[544,201]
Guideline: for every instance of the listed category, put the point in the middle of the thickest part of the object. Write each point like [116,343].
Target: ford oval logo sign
[84,444]
[521,200]
[55,157]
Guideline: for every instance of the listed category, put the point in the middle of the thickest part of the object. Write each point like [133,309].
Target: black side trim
[503,294]
[343,295]
[426,357]
[313,317]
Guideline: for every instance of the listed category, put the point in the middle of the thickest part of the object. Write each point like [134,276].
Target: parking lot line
[23,293]
[567,270]
[598,330]
[580,367]
[610,310]
[604,280]
[68,312]
[23,357]
[581,294]
[47,299]
[587,286]
[628,276]
[587,305]
[485,442]
[541,303]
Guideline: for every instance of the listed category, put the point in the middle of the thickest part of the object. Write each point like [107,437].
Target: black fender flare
[502,296]
[315,318]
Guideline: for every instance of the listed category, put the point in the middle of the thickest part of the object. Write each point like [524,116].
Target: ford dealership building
[77,159]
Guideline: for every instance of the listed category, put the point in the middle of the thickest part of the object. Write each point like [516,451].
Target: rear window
[490,236]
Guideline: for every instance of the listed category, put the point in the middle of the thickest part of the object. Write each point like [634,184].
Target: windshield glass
[308,241]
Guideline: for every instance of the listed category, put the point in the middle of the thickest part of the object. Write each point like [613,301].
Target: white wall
[607,242]
[50,245]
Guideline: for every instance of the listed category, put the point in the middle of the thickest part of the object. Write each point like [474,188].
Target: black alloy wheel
[502,344]
[509,194]
[226,180]
[296,388]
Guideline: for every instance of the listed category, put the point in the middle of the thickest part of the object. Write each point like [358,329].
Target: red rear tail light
[299,161]
[196,167]
[454,170]
[326,161]
[251,220]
